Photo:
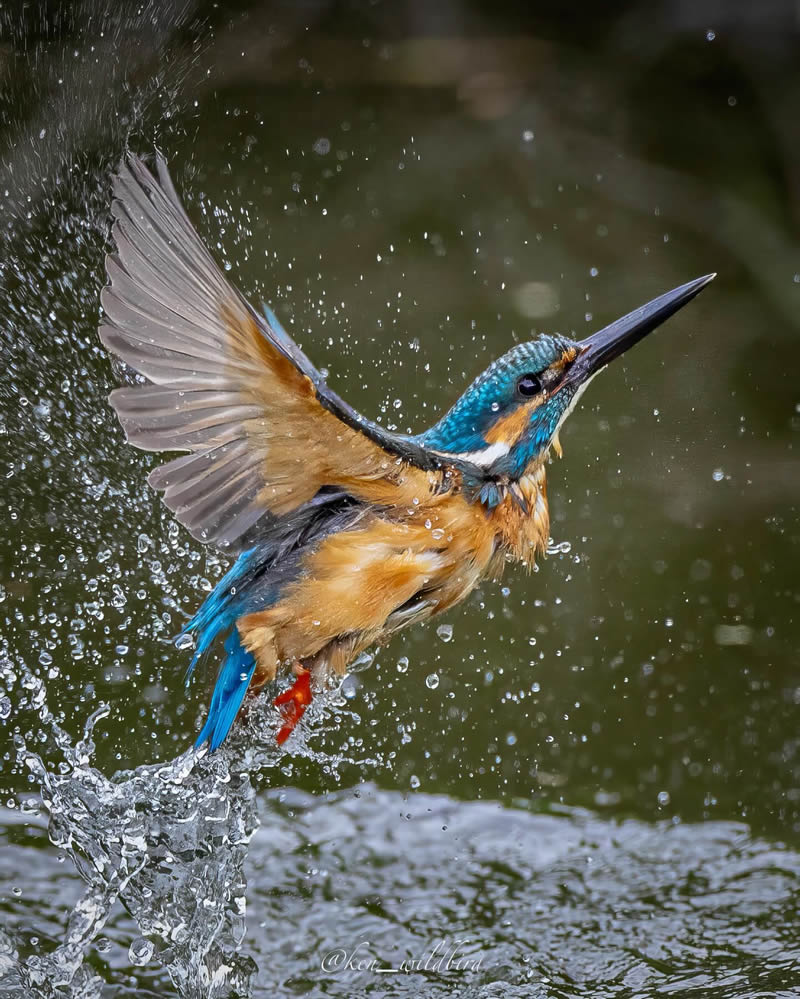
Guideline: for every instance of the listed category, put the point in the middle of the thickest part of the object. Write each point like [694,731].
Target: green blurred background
[414,187]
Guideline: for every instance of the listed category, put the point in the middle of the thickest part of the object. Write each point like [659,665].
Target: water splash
[167,841]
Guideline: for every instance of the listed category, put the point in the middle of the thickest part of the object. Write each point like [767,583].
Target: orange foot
[293,702]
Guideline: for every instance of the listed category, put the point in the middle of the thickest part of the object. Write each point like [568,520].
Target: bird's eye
[529,384]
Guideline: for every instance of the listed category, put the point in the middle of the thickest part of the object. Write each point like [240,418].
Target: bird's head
[511,414]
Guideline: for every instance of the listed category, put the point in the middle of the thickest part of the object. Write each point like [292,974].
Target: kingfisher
[343,532]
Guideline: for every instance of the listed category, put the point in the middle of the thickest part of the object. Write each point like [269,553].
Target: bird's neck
[511,489]
[521,516]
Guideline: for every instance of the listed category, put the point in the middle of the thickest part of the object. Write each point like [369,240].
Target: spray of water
[167,841]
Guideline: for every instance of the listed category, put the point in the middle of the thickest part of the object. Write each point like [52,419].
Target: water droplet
[402,664]
[322,146]
[445,632]
[527,135]
[184,641]
[414,781]
[710,35]
[432,681]
[718,475]
[140,951]
[663,798]
[361,662]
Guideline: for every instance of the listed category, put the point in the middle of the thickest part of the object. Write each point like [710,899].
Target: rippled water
[556,904]
[190,878]
[369,892]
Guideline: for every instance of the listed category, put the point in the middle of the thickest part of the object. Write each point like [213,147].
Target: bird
[341,532]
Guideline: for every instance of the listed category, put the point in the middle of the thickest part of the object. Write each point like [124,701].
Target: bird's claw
[293,702]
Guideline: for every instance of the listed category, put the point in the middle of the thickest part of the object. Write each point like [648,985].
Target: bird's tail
[231,686]
[217,615]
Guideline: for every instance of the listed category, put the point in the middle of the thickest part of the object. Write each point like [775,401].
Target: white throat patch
[483,458]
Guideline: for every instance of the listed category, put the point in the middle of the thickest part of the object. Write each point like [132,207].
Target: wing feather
[263,431]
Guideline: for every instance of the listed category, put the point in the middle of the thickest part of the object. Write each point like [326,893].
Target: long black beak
[601,347]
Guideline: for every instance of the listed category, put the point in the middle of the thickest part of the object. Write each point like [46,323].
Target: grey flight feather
[164,308]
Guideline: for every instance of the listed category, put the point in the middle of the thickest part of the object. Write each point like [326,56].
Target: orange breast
[391,568]
[524,532]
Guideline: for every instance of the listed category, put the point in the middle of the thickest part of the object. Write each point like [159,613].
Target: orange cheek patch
[566,358]
[509,429]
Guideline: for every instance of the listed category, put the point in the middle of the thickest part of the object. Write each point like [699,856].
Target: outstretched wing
[262,431]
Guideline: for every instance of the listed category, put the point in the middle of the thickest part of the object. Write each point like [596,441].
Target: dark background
[414,187]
